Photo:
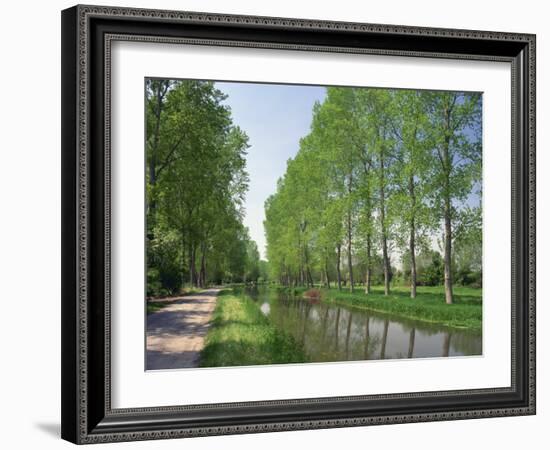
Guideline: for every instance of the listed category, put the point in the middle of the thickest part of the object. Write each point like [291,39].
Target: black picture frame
[87,416]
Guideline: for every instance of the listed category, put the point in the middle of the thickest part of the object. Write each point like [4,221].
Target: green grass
[429,304]
[241,335]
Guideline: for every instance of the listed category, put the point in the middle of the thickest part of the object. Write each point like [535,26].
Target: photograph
[292,223]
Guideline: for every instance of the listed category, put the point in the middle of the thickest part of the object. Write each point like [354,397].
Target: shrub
[434,273]
[153,283]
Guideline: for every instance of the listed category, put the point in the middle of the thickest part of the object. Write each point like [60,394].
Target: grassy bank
[241,335]
[428,306]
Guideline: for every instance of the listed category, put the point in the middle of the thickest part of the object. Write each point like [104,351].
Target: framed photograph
[279,224]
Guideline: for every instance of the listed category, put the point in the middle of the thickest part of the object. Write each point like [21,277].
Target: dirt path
[175,334]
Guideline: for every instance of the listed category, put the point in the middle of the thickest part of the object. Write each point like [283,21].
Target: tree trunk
[413,261]
[447,164]
[350,267]
[386,265]
[338,255]
[412,238]
[383,227]
[195,273]
[367,165]
[183,259]
[309,278]
[191,265]
[447,255]
[152,203]
[326,274]
[368,276]
[349,230]
[202,276]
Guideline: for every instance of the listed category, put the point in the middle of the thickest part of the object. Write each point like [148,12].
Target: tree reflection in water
[338,333]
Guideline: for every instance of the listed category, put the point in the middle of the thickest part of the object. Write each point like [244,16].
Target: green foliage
[467,261]
[252,262]
[196,182]
[455,134]
[379,174]
[163,268]
[455,140]
[264,271]
[432,273]
[241,335]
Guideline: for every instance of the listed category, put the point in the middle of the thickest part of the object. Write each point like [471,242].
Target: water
[341,333]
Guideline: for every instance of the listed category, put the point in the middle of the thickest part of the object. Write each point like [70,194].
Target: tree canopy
[381,172]
[385,186]
[196,185]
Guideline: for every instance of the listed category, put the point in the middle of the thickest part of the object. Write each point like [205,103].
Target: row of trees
[381,171]
[196,182]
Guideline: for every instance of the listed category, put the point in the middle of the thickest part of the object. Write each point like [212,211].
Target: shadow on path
[175,334]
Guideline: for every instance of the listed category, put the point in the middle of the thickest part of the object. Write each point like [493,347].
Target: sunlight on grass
[428,306]
[242,335]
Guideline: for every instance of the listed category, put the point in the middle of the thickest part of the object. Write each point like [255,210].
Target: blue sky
[274,117]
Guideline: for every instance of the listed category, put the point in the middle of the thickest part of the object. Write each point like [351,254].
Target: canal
[330,332]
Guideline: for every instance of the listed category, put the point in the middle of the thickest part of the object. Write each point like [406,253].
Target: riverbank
[428,306]
[241,335]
